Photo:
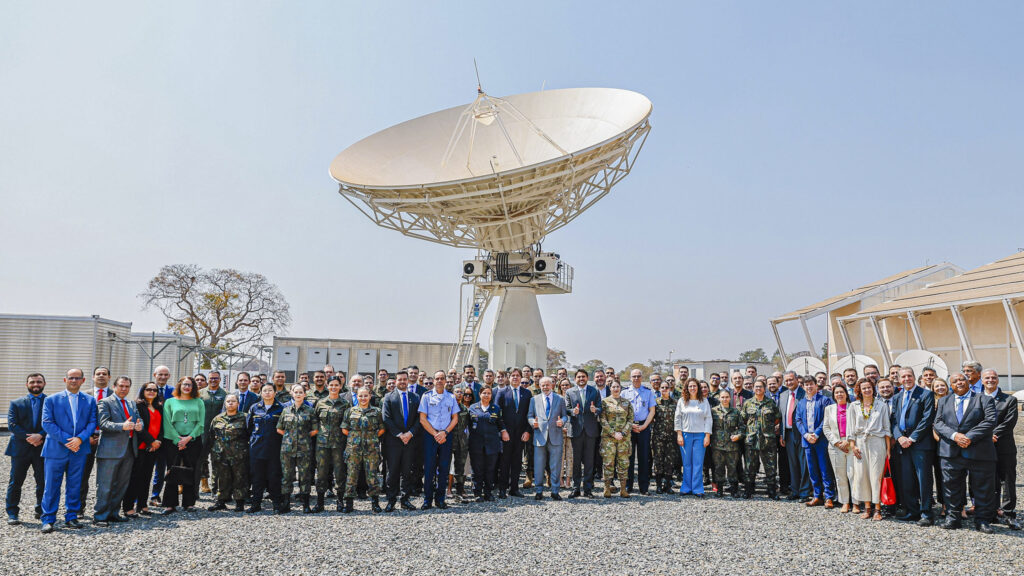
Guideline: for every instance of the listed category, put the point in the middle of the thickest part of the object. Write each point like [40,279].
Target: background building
[51,345]
[297,355]
[703,370]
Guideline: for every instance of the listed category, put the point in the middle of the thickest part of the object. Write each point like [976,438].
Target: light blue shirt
[73,401]
[439,408]
[961,406]
[642,399]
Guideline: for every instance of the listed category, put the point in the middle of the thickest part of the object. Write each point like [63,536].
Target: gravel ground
[644,535]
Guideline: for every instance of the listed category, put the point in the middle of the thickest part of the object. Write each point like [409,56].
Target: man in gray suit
[118,421]
[584,406]
[547,408]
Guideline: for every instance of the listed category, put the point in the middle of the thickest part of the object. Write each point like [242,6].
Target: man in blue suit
[69,419]
[25,421]
[789,438]
[809,420]
[913,413]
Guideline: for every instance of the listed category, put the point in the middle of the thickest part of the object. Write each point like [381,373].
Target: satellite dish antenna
[921,359]
[855,361]
[806,366]
[499,175]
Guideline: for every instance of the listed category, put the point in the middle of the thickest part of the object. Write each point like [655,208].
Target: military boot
[284,506]
[348,506]
[773,494]
[341,504]
[239,505]
[305,504]
[734,490]
[319,503]
[204,486]
[256,506]
[375,505]
[218,505]
[607,491]
[748,491]
[624,493]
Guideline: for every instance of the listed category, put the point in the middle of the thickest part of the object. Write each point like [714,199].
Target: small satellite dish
[921,359]
[806,366]
[855,361]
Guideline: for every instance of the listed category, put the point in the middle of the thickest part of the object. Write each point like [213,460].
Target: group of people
[822,440]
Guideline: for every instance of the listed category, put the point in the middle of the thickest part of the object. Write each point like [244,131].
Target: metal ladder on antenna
[476,306]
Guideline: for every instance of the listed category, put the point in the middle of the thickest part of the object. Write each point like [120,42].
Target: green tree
[752,356]
[591,366]
[556,360]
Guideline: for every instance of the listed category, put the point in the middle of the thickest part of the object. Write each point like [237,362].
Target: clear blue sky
[798,150]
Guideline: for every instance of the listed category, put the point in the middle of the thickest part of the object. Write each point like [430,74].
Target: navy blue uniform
[265,452]
[485,428]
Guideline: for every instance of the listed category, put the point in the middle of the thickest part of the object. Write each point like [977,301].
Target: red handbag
[888,492]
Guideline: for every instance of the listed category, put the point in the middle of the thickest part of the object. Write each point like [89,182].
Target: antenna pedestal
[518,337]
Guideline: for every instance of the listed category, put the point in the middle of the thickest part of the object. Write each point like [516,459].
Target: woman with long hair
[149,404]
[183,420]
[693,424]
[870,445]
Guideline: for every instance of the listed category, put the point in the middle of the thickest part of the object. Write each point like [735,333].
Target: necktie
[790,408]
[35,412]
[959,409]
[547,406]
[127,416]
[405,408]
[99,395]
[74,413]
[515,396]
[903,414]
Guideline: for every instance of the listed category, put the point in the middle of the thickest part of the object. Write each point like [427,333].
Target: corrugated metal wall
[53,344]
[170,350]
[429,356]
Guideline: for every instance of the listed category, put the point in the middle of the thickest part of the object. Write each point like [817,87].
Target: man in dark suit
[514,402]
[912,417]
[584,408]
[1006,448]
[69,418]
[965,423]
[118,423]
[789,438]
[25,421]
[402,441]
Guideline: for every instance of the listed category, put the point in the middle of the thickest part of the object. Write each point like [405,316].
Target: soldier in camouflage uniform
[230,433]
[761,416]
[281,392]
[297,426]
[364,425]
[616,420]
[727,429]
[330,444]
[663,439]
[460,440]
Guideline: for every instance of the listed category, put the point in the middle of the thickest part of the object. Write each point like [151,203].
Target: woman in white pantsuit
[870,446]
[837,432]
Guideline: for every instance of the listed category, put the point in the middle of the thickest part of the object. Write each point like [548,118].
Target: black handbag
[180,474]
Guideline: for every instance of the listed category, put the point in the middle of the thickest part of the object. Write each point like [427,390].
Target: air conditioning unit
[546,263]
[474,267]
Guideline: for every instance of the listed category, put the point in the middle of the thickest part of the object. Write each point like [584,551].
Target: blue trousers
[70,467]
[916,480]
[436,459]
[820,470]
[693,463]
[19,471]
[640,453]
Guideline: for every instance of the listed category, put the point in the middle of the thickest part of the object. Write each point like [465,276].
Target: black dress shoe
[950,524]
[984,527]
[489,497]
[480,499]
[643,493]
[47,528]
[100,524]
[74,524]
[908,518]
[13,521]
[515,493]
[38,514]
[575,494]
[556,497]
[390,507]
[442,506]
[117,519]
[427,505]
[502,494]
[538,496]
[407,505]
[1012,523]
[589,493]
[925,521]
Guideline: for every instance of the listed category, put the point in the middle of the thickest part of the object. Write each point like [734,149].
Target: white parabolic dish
[574,145]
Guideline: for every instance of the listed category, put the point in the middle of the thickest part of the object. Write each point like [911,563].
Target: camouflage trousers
[460,453]
[766,457]
[725,462]
[367,462]
[666,457]
[301,461]
[615,456]
[232,479]
[330,462]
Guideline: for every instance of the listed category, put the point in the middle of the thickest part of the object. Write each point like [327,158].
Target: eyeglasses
[151,390]
[75,378]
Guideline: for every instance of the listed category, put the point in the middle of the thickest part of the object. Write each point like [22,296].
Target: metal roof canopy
[850,297]
[998,282]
